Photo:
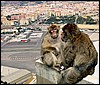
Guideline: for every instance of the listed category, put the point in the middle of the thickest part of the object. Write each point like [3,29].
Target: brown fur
[51,48]
[80,54]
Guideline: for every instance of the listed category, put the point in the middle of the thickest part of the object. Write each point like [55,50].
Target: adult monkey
[51,48]
[80,55]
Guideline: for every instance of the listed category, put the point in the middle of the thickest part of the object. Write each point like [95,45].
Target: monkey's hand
[56,52]
[48,59]
[51,49]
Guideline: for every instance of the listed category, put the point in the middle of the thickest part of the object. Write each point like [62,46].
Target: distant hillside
[18,3]
[22,3]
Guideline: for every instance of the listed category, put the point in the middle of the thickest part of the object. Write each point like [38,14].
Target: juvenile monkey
[51,48]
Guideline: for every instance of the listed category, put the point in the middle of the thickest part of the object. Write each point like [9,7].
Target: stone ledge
[46,75]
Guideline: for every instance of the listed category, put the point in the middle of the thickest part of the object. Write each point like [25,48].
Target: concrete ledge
[46,75]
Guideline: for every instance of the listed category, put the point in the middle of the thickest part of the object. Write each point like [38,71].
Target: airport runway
[21,55]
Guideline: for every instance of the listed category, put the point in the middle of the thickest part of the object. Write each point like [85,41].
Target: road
[21,55]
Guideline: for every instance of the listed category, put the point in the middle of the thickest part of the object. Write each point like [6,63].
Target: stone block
[45,74]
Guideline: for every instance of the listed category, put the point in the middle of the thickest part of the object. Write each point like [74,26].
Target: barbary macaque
[51,48]
[80,54]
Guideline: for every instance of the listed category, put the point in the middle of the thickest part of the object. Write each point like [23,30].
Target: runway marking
[19,58]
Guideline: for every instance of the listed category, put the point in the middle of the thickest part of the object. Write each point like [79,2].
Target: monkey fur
[80,54]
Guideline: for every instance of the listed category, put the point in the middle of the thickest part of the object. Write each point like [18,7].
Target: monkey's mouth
[54,37]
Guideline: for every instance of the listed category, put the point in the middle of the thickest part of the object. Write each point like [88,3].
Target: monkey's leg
[48,59]
[56,65]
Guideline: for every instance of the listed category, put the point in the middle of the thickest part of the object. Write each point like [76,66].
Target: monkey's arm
[49,49]
[50,60]
[47,59]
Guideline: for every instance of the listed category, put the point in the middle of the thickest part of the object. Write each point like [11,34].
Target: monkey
[51,48]
[80,54]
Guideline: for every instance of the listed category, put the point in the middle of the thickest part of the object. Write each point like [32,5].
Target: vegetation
[69,19]
[90,20]
[6,32]
[8,17]
[81,20]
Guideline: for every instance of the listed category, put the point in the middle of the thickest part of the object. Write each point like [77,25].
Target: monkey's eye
[55,28]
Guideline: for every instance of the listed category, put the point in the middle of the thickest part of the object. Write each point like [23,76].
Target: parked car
[25,40]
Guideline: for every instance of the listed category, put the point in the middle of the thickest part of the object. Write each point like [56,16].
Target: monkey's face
[65,36]
[68,32]
[54,31]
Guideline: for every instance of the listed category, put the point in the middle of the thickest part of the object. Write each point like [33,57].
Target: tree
[30,21]
[16,23]
[52,15]
[89,20]
[81,20]
[8,17]
[71,19]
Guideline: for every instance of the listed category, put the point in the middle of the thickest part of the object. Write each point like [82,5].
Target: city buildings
[58,8]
